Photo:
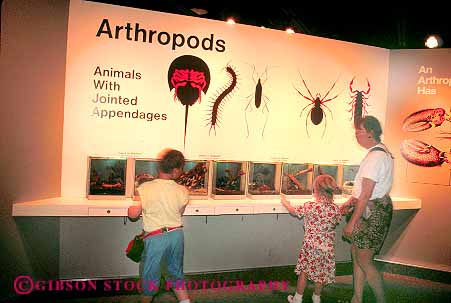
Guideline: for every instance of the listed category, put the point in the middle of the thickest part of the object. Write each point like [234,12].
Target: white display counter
[82,207]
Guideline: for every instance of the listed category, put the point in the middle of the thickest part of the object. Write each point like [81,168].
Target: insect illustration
[358,103]
[222,95]
[257,100]
[317,104]
[189,76]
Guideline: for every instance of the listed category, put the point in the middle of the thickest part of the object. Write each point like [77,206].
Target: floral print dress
[317,255]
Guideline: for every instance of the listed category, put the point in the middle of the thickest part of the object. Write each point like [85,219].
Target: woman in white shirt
[372,209]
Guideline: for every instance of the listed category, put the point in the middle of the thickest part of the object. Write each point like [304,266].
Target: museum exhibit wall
[39,91]
[147,58]
[419,85]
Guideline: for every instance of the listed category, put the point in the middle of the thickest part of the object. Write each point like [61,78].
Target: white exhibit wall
[274,132]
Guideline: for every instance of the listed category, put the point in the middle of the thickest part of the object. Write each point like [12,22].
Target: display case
[264,180]
[145,170]
[229,180]
[335,171]
[195,178]
[107,178]
[297,179]
[349,173]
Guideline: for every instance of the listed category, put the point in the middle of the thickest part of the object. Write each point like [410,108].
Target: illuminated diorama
[145,170]
[332,170]
[195,178]
[229,180]
[264,179]
[107,178]
[349,173]
[297,179]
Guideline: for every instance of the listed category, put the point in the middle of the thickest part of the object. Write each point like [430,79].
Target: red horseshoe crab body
[425,119]
[422,154]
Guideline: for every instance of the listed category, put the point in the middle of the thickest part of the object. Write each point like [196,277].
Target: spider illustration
[317,106]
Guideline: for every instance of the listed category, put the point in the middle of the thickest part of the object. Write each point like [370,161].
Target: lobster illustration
[425,119]
[422,154]
[418,152]
[358,102]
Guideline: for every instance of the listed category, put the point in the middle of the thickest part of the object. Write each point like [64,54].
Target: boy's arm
[135,210]
[182,209]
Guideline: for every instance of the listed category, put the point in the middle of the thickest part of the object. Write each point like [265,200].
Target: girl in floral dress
[316,260]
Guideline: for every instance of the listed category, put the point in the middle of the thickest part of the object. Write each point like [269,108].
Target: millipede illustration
[217,103]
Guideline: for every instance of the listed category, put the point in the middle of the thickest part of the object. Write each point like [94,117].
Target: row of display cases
[119,178]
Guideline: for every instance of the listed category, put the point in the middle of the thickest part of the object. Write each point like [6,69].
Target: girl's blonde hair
[324,185]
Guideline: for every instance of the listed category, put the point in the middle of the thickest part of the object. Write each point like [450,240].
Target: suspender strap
[381,149]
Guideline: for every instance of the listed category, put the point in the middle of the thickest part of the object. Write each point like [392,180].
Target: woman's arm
[360,205]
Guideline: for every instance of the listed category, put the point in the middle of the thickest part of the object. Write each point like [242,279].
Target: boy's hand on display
[134,212]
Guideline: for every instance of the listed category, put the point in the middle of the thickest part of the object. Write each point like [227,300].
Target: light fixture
[433,41]
[230,20]
[289,30]
[199,11]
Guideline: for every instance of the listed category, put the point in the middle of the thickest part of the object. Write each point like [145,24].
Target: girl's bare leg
[318,288]
[302,283]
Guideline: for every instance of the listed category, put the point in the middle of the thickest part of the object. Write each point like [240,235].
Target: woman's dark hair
[371,124]
[171,159]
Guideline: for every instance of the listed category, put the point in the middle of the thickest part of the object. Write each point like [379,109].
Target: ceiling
[392,28]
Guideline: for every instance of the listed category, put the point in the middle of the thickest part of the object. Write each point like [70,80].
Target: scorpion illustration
[317,104]
[358,103]
[421,153]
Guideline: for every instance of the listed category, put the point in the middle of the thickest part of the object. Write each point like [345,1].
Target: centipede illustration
[224,94]
[189,76]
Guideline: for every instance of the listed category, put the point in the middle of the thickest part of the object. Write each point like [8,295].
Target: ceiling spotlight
[433,41]
[289,30]
[230,20]
[199,11]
